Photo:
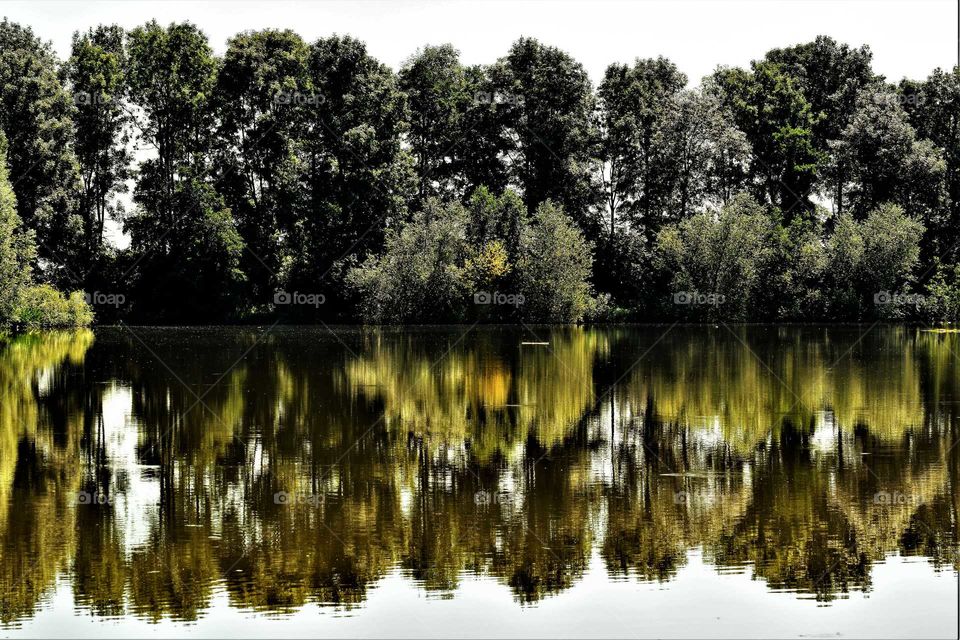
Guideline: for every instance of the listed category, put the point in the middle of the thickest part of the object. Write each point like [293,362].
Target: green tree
[261,97]
[704,156]
[634,103]
[182,232]
[419,277]
[769,107]
[880,159]
[717,260]
[547,101]
[16,244]
[933,107]
[355,176]
[440,94]
[95,72]
[553,268]
[35,113]
[870,262]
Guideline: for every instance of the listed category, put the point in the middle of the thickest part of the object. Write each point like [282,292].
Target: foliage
[553,268]
[871,261]
[717,259]
[35,114]
[286,166]
[43,306]
[16,244]
[419,277]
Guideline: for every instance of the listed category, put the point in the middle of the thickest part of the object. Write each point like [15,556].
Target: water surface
[635,482]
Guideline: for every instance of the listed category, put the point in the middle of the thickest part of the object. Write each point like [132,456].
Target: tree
[96,75]
[553,268]
[872,259]
[184,234]
[878,159]
[16,244]
[933,107]
[770,108]
[717,259]
[35,112]
[419,277]
[440,94]
[830,75]
[634,104]
[355,176]
[261,99]
[704,156]
[547,102]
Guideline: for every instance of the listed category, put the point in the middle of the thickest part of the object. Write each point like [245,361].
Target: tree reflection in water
[291,468]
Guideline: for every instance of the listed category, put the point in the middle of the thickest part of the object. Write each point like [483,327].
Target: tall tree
[439,94]
[95,72]
[879,155]
[770,108]
[16,243]
[933,107]
[355,175]
[260,95]
[634,102]
[182,231]
[705,157]
[547,100]
[35,112]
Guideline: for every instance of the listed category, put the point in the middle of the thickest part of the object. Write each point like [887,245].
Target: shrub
[554,267]
[718,258]
[43,306]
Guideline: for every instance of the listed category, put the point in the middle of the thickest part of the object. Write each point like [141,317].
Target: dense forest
[310,182]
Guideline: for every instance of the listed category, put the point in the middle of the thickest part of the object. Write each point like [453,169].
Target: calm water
[633,482]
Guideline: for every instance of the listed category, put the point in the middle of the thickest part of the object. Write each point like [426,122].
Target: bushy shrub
[870,262]
[419,277]
[717,259]
[43,306]
[554,268]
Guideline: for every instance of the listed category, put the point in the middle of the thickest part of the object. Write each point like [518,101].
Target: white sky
[908,37]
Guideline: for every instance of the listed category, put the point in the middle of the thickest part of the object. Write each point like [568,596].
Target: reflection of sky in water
[699,602]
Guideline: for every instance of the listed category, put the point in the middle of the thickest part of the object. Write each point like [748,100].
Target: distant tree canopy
[287,171]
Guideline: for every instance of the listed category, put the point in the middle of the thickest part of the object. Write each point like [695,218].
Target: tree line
[309,181]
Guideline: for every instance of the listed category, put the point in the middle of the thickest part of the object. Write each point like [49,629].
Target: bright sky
[908,37]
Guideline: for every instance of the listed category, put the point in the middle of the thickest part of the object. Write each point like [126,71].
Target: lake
[667,481]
